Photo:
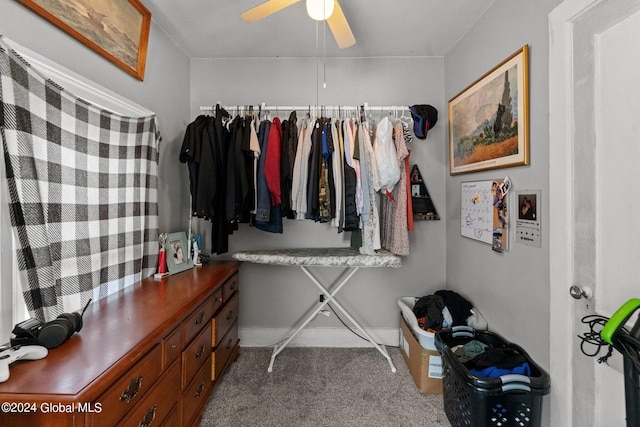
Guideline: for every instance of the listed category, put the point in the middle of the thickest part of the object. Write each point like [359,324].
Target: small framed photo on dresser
[178,253]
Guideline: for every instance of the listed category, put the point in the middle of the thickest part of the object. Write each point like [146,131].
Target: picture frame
[489,120]
[116,29]
[178,253]
[528,218]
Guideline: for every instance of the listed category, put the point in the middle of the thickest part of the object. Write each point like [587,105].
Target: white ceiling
[213,29]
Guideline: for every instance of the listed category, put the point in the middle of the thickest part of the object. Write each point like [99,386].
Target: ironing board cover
[325,257]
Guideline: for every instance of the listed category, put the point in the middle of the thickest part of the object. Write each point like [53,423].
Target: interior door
[594,174]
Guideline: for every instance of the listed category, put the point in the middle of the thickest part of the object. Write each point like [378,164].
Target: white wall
[511,289]
[173,86]
[165,89]
[276,297]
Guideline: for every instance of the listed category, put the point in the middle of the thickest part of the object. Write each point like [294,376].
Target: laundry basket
[470,400]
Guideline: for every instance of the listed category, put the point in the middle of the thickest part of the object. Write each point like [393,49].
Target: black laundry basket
[469,400]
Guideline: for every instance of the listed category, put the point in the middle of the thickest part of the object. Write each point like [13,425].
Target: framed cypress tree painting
[489,120]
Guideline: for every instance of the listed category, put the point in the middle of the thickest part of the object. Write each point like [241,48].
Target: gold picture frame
[489,120]
[116,29]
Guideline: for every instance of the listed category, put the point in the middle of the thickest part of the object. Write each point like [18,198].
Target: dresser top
[117,331]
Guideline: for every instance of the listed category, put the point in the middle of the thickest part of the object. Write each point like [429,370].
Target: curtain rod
[264,107]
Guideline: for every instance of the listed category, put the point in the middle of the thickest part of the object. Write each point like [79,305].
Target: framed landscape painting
[116,29]
[489,120]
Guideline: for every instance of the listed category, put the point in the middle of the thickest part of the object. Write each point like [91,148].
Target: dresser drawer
[223,321]
[158,403]
[171,348]
[230,287]
[223,352]
[173,419]
[129,389]
[197,320]
[217,300]
[196,395]
[194,356]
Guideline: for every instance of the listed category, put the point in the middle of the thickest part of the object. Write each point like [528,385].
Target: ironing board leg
[278,348]
[330,298]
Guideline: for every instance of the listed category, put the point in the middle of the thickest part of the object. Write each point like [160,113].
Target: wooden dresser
[147,356]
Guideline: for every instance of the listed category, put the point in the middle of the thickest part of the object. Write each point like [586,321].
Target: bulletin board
[476,217]
[483,213]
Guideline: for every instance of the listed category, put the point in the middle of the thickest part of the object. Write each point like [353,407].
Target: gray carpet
[312,387]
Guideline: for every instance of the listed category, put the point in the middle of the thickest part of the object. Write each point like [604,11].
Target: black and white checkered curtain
[83,191]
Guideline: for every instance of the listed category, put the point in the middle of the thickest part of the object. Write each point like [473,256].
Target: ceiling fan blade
[340,27]
[265,9]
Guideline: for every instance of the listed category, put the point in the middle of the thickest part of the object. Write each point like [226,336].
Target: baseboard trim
[316,337]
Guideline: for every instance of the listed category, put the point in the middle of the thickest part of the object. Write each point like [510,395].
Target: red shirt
[272,161]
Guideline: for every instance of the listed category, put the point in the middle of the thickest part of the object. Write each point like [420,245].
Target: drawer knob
[200,351]
[149,416]
[230,315]
[199,319]
[199,390]
[132,390]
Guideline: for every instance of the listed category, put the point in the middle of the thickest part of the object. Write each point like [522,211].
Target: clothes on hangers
[251,152]
[205,150]
[385,156]
[272,162]
[301,171]
[395,207]
[313,178]
[351,217]
[263,206]
[287,160]
[370,187]
[337,165]
[238,177]
[334,170]
[327,196]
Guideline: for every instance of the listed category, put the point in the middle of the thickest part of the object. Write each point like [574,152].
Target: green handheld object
[618,319]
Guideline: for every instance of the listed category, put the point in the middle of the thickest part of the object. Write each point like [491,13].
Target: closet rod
[307,107]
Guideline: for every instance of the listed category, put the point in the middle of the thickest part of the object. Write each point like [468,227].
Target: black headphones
[50,334]
[57,331]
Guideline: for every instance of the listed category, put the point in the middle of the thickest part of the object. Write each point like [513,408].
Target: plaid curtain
[83,191]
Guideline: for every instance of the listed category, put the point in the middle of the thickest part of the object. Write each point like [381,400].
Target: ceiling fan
[320,10]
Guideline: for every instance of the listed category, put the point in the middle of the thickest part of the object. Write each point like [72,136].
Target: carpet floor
[325,387]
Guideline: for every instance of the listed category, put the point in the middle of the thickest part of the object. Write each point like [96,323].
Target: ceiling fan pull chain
[324,55]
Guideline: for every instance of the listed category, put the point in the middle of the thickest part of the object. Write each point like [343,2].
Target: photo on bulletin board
[499,190]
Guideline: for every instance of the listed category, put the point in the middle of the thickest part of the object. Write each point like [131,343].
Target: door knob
[579,292]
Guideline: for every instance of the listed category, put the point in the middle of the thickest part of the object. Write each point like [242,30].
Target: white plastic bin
[426,339]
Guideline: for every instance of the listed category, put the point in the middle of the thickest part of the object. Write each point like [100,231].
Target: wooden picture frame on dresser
[148,355]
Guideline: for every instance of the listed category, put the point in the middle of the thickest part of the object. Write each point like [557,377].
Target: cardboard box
[425,365]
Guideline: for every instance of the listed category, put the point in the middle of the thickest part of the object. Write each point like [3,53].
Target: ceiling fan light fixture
[320,10]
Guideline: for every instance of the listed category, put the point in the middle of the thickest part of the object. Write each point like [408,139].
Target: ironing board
[349,258]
